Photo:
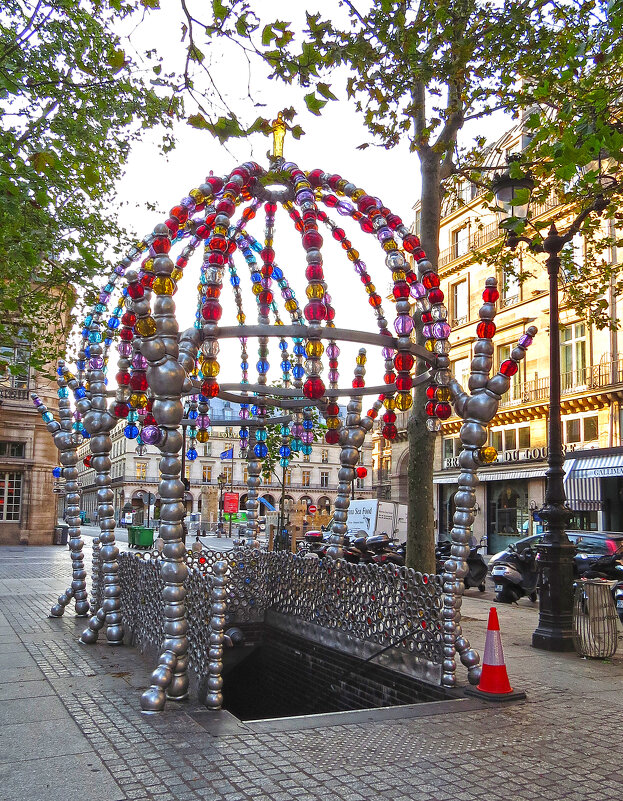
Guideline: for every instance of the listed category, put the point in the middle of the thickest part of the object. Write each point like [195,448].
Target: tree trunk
[421,523]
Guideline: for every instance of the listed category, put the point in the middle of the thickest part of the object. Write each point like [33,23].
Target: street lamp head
[512,191]
[222,480]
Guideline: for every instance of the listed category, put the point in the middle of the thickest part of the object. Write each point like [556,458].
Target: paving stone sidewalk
[71,729]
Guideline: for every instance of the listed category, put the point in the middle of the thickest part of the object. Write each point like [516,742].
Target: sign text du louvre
[519,455]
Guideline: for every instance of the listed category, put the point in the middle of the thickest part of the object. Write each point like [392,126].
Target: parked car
[590,545]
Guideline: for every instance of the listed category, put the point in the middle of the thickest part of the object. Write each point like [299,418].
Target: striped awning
[583,480]
[501,474]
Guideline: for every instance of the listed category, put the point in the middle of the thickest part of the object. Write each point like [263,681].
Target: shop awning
[503,473]
[582,482]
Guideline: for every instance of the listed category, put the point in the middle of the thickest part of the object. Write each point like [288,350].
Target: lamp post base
[555,629]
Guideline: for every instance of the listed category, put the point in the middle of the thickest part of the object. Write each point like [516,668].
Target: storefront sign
[230,502]
[519,455]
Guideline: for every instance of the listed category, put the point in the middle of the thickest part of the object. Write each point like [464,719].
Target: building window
[245,474]
[451,447]
[226,471]
[460,303]
[229,432]
[324,456]
[510,439]
[306,457]
[573,356]
[207,449]
[417,224]
[306,478]
[591,429]
[360,483]
[187,471]
[511,287]
[13,450]
[581,429]
[287,479]
[460,369]
[573,431]
[14,370]
[141,470]
[207,473]
[496,440]
[10,496]
[324,478]
[459,242]
[524,436]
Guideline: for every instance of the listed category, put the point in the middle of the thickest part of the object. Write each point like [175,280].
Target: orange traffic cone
[494,684]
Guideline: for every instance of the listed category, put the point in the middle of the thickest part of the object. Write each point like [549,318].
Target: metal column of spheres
[159,367]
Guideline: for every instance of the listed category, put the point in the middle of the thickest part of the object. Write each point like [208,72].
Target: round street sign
[312,509]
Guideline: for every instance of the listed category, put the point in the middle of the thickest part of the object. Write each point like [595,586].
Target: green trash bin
[132,536]
[143,537]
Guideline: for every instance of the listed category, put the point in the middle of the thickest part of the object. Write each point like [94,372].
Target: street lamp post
[554,631]
[221,480]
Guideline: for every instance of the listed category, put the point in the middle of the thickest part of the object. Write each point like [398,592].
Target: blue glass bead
[191,431]
[88,319]
[203,399]
[234,280]
[284,451]
[113,323]
[63,392]
[261,434]
[191,454]
[95,336]
[286,366]
[243,433]
[285,431]
[100,308]
[81,364]
[132,416]
[197,324]
[77,426]
[109,288]
[57,472]
[85,333]
[131,431]
[80,393]
[85,434]
[193,414]
[298,371]
[87,351]
[262,366]
[261,450]
[306,450]
[244,365]
[118,311]
[283,284]
[277,273]
[47,417]
[308,425]
[283,345]
[284,462]
[296,444]
[257,246]
[299,350]
[59,371]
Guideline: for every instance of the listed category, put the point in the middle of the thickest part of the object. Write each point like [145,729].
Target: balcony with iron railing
[88,480]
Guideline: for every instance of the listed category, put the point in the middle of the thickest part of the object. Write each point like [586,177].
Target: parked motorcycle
[516,576]
[477,572]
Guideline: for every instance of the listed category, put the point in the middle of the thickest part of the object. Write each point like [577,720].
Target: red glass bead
[427,317]
[403,361]
[212,291]
[333,410]
[333,366]
[172,225]
[210,388]
[180,213]
[430,391]
[410,243]
[149,420]
[315,177]
[332,437]
[87,461]
[435,296]
[138,381]
[312,240]
[365,279]
[126,334]
[267,270]
[389,417]
[209,219]
[334,181]
[358,382]
[181,262]
[443,410]
[215,183]
[121,409]
[366,225]
[226,206]
[330,313]
[248,213]
[161,244]
[218,243]
[490,295]
[129,318]
[401,290]
[366,203]
[430,408]
[243,173]
[135,290]
[430,280]
[315,310]
[122,378]
[322,216]
[267,255]
[313,388]
[485,329]
[203,231]
[147,280]
[331,201]
[418,254]
[361,471]
[339,234]
[232,188]
[270,208]
[393,220]
[265,297]
[375,300]
[212,311]
[509,368]
[390,431]
[314,272]
[231,246]
[404,383]
[216,258]
[372,414]
[389,377]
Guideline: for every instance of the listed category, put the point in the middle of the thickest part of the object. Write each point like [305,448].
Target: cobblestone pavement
[70,726]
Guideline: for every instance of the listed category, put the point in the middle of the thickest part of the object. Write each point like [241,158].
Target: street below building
[72,727]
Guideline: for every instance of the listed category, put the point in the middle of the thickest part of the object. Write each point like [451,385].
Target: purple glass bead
[384,234]
[188,203]
[441,330]
[427,331]
[139,362]
[37,402]
[203,420]
[418,290]
[243,414]
[403,324]
[287,294]
[333,350]
[307,437]
[125,348]
[360,267]
[304,195]
[151,435]
[297,429]
[265,283]
[104,297]
[327,299]
[525,340]
[243,340]
[96,363]
[344,208]
[119,269]
[387,353]
[333,376]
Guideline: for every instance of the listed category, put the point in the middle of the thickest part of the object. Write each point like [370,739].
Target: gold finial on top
[279,134]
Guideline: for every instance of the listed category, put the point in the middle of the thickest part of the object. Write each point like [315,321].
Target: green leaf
[325,91]
[314,104]
[220,12]
[297,132]
[268,35]
[157,69]
[198,121]
[195,54]
[150,3]
[117,60]
[91,175]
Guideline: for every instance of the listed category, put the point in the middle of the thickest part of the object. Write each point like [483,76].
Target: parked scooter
[516,576]
[477,572]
